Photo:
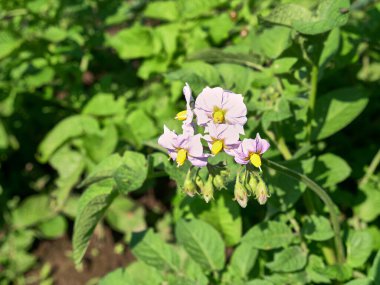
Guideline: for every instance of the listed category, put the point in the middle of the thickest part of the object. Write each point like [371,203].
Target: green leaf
[360,281]
[104,104]
[269,235]
[198,74]
[132,173]
[219,27]
[105,169]
[54,34]
[368,207]
[359,247]
[337,109]
[288,260]
[8,43]
[341,272]
[202,242]
[92,205]
[374,272]
[148,247]
[136,273]
[135,42]
[40,78]
[218,56]
[274,41]
[243,259]
[258,282]
[125,216]
[235,77]
[71,127]
[329,15]
[317,228]
[195,8]
[101,145]
[141,127]
[330,47]
[314,268]
[53,228]
[281,111]
[163,10]
[330,169]
[31,211]
[223,215]
[283,65]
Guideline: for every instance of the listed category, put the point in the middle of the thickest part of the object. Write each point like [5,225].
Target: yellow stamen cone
[218,117]
[255,159]
[181,116]
[217,146]
[181,157]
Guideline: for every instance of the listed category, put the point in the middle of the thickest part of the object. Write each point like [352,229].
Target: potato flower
[183,147]
[187,115]
[250,150]
[222,137]
[218,106]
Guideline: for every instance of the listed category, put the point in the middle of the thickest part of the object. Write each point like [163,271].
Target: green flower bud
[262,193]
[219,182]
[240,193]
[189,187]
[252,183]
[208,189]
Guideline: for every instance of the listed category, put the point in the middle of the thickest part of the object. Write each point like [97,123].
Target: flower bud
[252,183]
[262,193]
[240,193]
[219,182]
[208,189]
[189,187]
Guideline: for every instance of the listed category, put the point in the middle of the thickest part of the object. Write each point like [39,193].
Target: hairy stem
[371,169]
[312,98]
[322,195]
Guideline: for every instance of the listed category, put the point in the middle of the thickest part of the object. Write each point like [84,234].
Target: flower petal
[167,139]
[198,161]
[261,144]
[209,98]
[195,147]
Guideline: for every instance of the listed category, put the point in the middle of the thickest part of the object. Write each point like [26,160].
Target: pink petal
[209,98]
[195,147]
[167,139]
[198,161]
[231,135]
[202,117]
[187,93]
[261,144]
[248,146]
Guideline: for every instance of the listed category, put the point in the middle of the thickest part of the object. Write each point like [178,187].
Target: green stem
[312,97]
[322,195]
[371,169]
[281,145]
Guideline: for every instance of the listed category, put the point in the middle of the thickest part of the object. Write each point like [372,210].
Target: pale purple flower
[222,137]
[251,150]
[183,147]
[218,106]
[187,115]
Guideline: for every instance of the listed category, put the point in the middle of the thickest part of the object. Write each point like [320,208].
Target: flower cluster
[223,115]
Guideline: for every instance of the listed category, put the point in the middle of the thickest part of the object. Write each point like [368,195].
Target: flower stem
[371,169]
[312,97]
[322,195]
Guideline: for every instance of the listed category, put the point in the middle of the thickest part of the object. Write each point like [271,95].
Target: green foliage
[269,235]
[150,248]
[203,243]
[86,87]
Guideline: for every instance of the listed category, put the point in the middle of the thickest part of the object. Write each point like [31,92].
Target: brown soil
[99,260]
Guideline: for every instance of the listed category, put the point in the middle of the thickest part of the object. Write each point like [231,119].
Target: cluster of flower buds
[223,115]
